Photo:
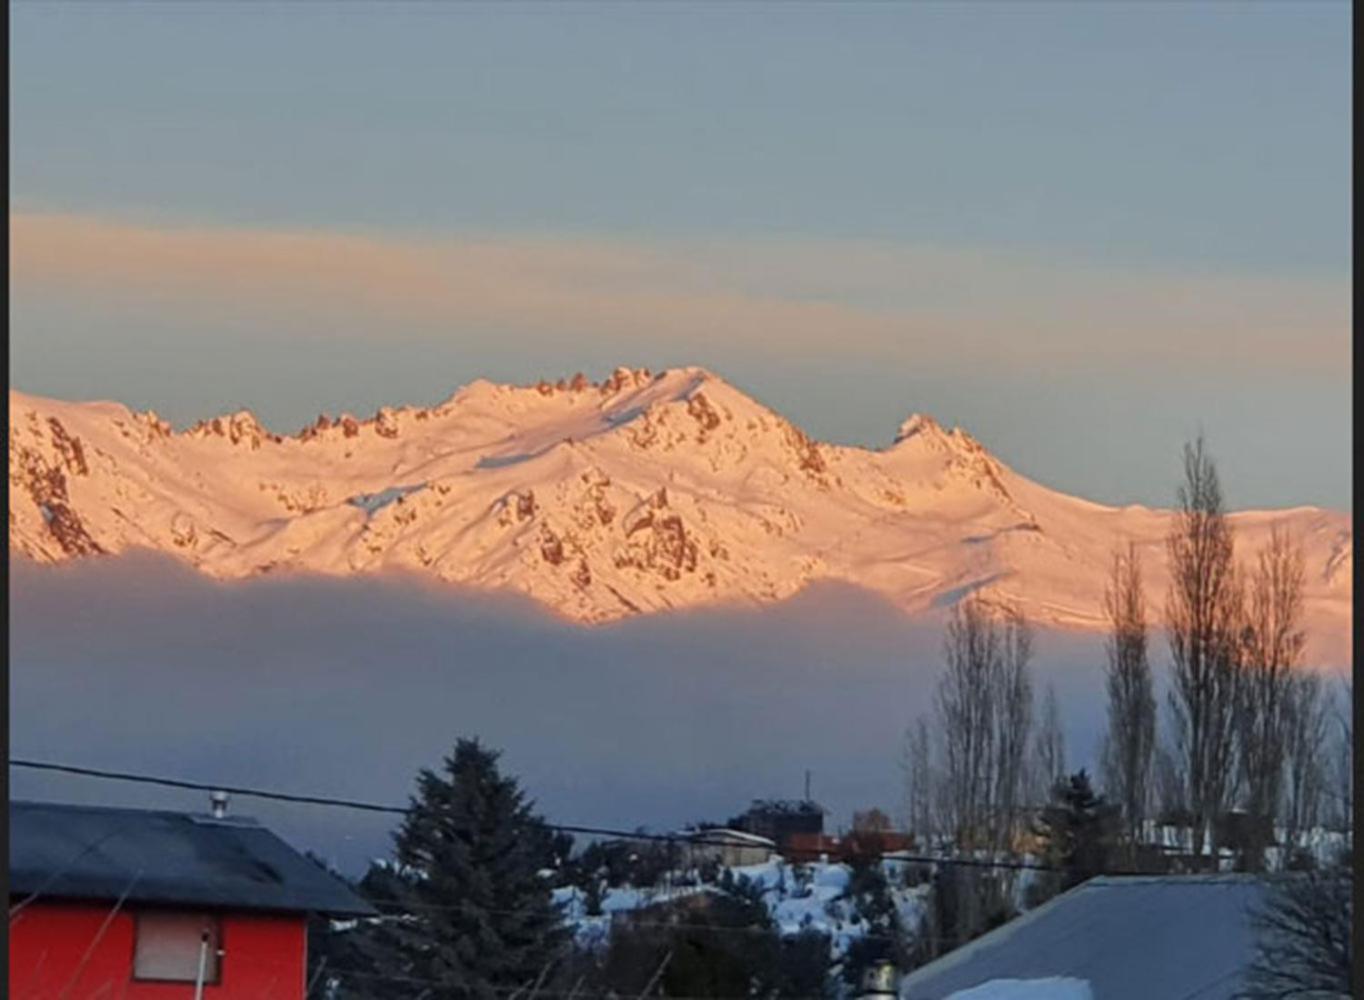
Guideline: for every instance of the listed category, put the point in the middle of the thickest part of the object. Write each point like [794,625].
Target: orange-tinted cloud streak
[808,297]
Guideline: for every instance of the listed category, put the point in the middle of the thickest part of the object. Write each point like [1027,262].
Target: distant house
[1122,937]
[848,847]
[730,848]
[144,905]
[779,819]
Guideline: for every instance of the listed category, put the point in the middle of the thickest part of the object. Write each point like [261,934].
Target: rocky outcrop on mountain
[637,493]
[39,474]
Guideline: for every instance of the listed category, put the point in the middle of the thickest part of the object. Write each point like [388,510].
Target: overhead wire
[699,838]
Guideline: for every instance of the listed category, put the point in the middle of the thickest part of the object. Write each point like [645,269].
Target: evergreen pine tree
[1079,828]
[468,914]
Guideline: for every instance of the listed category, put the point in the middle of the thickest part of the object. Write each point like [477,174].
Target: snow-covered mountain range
[640,493]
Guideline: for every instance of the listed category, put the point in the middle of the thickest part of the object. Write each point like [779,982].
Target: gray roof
[96,852]
[1131,937]
[717,836]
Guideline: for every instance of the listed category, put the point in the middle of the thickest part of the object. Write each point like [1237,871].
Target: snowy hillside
[637,494]
[810,897]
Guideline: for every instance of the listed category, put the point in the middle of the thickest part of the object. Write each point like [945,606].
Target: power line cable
[698,839]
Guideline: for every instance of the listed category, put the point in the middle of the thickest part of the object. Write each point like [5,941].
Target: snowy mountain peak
[923,430]
[918,424]
[240,427]
[637,493]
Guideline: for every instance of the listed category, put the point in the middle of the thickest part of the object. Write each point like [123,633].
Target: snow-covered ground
[637,494]
[593,930]
[808,897]
[1324,846]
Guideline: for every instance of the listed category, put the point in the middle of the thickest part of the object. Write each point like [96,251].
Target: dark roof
[786,807]
[96,852]
[1126,936]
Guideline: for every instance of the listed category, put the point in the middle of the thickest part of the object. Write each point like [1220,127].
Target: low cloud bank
[347,687]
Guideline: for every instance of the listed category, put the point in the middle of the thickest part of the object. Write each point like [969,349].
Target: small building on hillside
[1112,938]
[147,905]
[730,848]
[780,819]
[846,848]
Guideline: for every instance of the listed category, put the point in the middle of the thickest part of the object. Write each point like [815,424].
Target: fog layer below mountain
[346,687]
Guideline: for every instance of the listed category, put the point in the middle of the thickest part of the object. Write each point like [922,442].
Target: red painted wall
[264,956]
[811,846]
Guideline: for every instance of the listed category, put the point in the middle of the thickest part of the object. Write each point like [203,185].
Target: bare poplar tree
[1013,723]
[1170,786]
[983,715]
[1049,750]
[1272,650]
[920,783]
[1131,737]
[1343,764]
[965,708]
[1305,734]
[1303,938]
[1203,622]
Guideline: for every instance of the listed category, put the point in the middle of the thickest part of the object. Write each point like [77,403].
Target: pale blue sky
[862,211]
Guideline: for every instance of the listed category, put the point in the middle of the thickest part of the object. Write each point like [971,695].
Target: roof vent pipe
[218,802]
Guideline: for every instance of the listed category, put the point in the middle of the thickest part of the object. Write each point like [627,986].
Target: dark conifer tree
[1080,830]
[469,913]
